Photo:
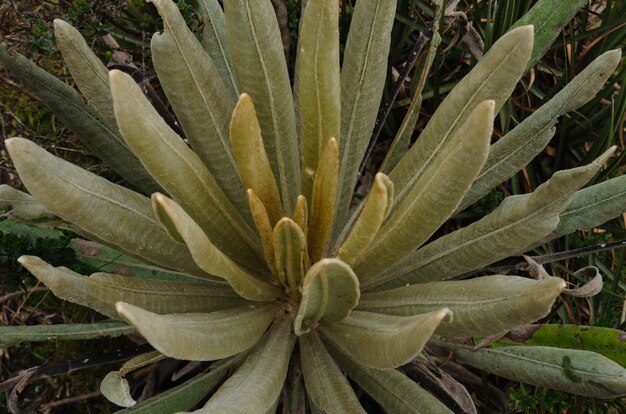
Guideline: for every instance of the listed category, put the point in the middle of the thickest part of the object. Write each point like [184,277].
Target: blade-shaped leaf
[261,375]
[435,195]
[326,385]
[264,227]
[101,291]
[215,42]
[290,251]
[323,201]
[114,386]
[517,148]
[330,290]
[13,335]
[261,72]
[197,94]
[519,222]
[362,80]
[382,341]
[201,336]
[301,214]
[251,158]
[179,170]
[370,220]
[393,390]
[117,216]
[319,86]
[210,259]
[482,306]
[21,205]
[100,136]
[494,77]
[577,372]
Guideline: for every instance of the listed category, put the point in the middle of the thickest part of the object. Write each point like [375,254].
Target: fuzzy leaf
[301,214]
[326,385]
[261,72]
[101,291]
[319,85]
[382,341]
[482,306]
[493,77]
[264,227]
[577,372]
[13,335]
[114,386]
[252,163]
[179,170]
[116,216]
[201,336]
[435,195]
[289,250]
[330,290]
[21,205]
[210,259]
[262,376]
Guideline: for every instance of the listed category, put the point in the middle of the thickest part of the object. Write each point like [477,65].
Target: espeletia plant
[273,267]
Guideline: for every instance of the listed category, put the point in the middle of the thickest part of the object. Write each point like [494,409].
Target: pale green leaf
[201,336]
[301,214]
[520,221]
[13,335]
[101,291]
[482,306]
[180,171]
[330,290]
[393,390]
[318,83]
[435,195]
[363,77]
[290,251]
[574,371]
[494,77]
[197,94]
[89,73]
[264,228]
[21,205]
[323,201]
[370,220]
[514,150]
[215,42]
[213,261]
[261,72]
[261,376]
[382,341]
[251,158]
[114,386]
[116,216]
[100,136]
[165,220]
[326,385]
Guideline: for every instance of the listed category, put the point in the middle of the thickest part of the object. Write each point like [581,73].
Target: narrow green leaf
[289,250]
[201,336]
[325,384]
[301,214]
[101,291]
[494,77]
[261,72]
[319,85]
[577,372]
[330,290]
[13,335]
[100,136]
[383,341]
[215,42]
[210,259]
[116,216]
[21,205]
[261,376]
[251,158]
[165,221]
[393,390]
[482,306]
[513,151]
[370,220]
[548,18]
[264,227]
[362,81]
[435,195]
[114,386]
[323,201]
[180,171]
[519,222]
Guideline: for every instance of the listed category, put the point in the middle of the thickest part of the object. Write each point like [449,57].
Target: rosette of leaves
[275,270]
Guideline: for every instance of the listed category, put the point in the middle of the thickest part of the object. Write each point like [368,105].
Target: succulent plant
[271,266]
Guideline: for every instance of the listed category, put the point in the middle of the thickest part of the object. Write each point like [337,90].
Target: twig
[47,407]
[12,295]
